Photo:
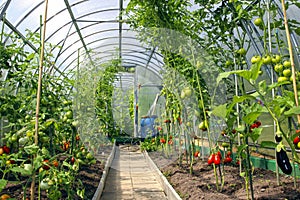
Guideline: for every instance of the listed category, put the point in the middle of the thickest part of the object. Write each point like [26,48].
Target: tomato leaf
[37,162]
[239,99]
[21,170]
[262,87]
[292,111]
[31,149]
[255,134]
[3,183]
[255,68]
[251,117]
[49,122]
[268,144]
[220,111]
[241,148]
[223,75]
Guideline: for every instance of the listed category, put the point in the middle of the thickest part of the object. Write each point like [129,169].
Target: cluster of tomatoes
[46,164]
[216,158]
[4,149]
[163,140]
[256,124]
[296,140]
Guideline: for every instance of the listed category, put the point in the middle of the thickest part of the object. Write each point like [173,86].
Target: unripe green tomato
[267,59]
[282,79]
[278,68]
[287,72]
[44,185]
[255,59]
[242,51]
[258,21]
[276,59]
[287,64]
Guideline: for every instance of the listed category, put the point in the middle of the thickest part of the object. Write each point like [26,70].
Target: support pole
[38,96]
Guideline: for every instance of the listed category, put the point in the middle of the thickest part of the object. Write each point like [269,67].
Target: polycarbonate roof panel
[91,26]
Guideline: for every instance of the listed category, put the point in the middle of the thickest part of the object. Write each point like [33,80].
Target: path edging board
[109,160]
[167,187]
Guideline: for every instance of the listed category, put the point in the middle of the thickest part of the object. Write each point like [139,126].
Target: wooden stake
[288,37]
[38,96]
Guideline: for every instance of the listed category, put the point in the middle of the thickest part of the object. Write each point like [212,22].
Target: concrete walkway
[130,177]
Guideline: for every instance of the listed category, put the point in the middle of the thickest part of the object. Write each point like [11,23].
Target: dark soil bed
[202,183]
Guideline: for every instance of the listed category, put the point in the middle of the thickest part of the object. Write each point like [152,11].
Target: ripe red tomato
[211,159]
[77,137]
[45,165]
[72,160]
[253,126]
[6,149]
[196,154]
[296,140]
[162,140]
[228,154]
[217,159]
[228,160]
[55,163]
[258,123]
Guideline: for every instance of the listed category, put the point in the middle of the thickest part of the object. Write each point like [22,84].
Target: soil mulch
[202,183]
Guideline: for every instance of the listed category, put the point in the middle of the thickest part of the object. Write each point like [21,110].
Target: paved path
[130,177]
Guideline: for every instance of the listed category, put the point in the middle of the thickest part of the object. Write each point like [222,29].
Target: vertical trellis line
[272,78]
[288,37]
[38,96]
[39,90]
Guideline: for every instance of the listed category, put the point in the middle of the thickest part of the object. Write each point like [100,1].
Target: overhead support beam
[63,44]
[100,21]
[150,57]
[4,9]
[120,28]
[78,30]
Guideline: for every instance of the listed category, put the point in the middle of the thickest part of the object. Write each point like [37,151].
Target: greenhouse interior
[152,99]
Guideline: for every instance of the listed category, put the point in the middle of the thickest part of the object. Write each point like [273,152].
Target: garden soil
[201,184]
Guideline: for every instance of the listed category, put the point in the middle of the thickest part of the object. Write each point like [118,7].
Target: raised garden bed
[201,184]
[92,177]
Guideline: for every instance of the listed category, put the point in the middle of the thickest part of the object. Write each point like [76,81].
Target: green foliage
[104,92]
[56,133]
[149,144]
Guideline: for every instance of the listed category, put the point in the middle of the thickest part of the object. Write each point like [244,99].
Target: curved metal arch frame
[101,40]
[78,19]
[128,44]
[160,62]
[156,72]
[95,41]
[139,63]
